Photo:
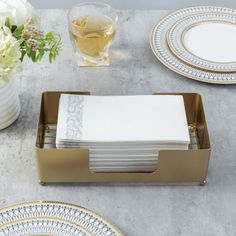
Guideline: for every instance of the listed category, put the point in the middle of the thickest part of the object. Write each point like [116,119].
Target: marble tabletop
[142,209]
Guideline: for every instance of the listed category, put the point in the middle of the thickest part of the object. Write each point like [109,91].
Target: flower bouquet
[20,37]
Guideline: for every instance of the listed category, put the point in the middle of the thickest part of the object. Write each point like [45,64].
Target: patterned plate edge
[185,60]
[151,39]
[113,226]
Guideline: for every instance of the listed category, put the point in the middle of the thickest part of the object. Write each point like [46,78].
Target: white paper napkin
[122,119]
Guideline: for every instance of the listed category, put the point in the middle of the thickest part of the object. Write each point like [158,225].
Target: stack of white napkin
[122,133]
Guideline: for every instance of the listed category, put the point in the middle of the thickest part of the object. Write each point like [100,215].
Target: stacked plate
[53,218]
[122,133]
[9,104]
[199,43]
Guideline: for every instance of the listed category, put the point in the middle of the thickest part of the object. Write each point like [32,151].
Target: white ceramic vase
[9,104]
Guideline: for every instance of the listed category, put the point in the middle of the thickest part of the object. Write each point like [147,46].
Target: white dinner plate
[206,41]
[42,226]
[43,217]
[159,45]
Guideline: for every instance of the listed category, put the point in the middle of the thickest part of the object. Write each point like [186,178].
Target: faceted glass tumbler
[92,28]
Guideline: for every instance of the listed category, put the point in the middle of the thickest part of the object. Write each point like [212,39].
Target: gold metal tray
[71,165]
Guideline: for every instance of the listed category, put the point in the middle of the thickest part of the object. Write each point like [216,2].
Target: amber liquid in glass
[92,35]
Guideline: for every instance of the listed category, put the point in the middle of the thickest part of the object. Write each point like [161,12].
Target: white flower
[9,54]
[19,11]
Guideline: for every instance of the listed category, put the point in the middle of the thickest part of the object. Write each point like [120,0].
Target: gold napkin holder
[71,165]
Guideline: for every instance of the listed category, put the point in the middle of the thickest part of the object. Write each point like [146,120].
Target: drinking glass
[92,28]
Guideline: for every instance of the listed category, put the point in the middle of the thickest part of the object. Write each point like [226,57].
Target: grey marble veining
[139,210]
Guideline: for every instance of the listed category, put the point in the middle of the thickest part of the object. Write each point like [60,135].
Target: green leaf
[18,31]
[13,28]
[8,23]
[23,53]
[40,55]
[50,57]
[41,44]
[28,50]
[21,42]
[33,56]
[49,35]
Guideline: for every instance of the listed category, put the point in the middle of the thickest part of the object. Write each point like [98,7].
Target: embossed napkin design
[74,117]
